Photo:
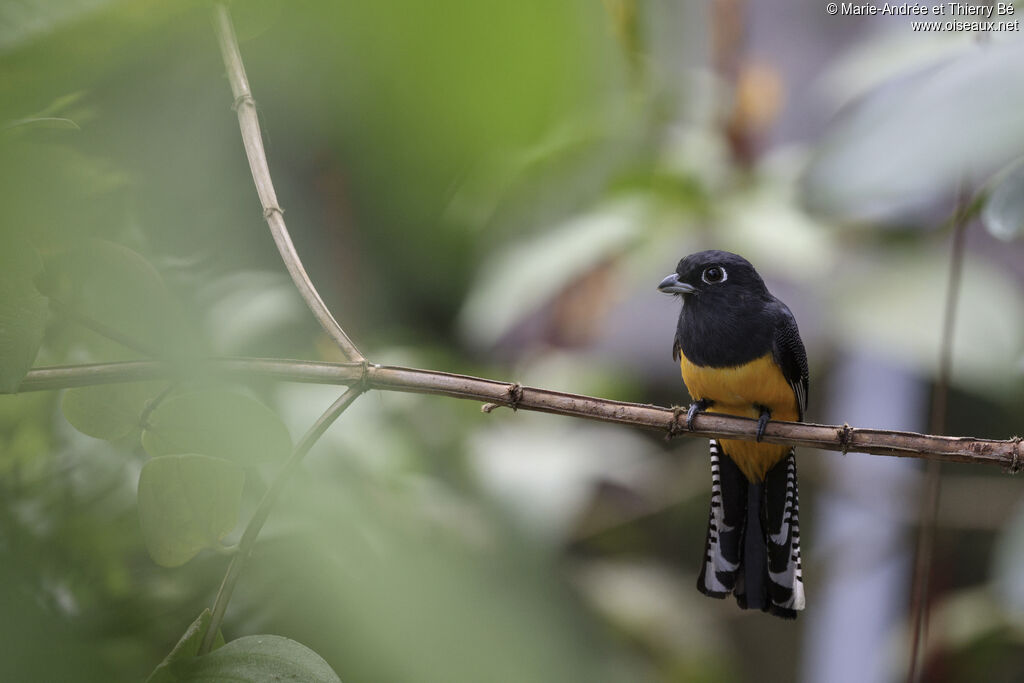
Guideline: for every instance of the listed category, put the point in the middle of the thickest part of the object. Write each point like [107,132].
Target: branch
[248,122]
[1008,454]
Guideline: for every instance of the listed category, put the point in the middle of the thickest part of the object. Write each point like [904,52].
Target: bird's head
[714,276]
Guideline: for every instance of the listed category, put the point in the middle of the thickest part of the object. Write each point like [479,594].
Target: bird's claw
[695,407]
[762,422]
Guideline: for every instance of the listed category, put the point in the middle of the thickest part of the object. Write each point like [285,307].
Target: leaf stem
[252,529]
[929,503]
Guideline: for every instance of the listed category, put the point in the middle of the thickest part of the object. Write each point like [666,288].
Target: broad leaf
[23,312]
[119,289]
[108,412]
[921,134]
[186,503]
[187,647]
[257,659]
[218,423]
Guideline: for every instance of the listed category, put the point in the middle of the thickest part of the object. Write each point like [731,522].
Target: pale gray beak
[672,285]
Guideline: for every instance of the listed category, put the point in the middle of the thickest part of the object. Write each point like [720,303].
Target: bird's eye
[713,275]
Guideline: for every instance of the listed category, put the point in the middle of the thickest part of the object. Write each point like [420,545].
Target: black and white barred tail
[753,542]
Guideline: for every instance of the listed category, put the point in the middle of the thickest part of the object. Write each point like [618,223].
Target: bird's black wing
[789,354]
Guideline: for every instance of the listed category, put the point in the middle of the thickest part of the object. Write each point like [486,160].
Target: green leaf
[257,659]
[218,423]
[1003,214]
[116,287]
[108,412]
[23,312]
[186,503]
[187,647]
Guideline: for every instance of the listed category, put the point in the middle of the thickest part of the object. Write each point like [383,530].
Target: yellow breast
[738,390]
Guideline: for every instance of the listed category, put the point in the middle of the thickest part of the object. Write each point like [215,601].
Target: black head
[713,275]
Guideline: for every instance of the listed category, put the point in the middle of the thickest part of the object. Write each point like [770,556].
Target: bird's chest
[737,389]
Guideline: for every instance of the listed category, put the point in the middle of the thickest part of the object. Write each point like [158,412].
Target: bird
[740,353]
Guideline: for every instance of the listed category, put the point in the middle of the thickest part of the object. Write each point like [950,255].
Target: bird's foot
[762,421]
[696,407]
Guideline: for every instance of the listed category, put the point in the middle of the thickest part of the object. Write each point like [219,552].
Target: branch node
[515,395]
[673,424]
[364,376]
[845,434]
[244,98]
[271,210]
[1015,463]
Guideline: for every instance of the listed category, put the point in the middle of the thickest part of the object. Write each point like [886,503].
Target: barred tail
[753,542]
[782,513]
[723,548]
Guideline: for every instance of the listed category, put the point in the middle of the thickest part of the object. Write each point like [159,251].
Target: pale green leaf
[257,659]
[118,288]
[109,411]
[219,423]
[186,503]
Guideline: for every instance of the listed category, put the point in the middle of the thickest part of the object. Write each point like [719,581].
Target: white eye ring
[704,275]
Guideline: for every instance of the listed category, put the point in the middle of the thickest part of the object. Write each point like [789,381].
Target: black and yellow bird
[740,353]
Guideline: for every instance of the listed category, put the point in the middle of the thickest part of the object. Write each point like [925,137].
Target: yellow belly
[736,391]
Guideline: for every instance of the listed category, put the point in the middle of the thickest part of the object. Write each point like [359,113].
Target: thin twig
[252,138]
[259,517]
[1008,454]
[929,512]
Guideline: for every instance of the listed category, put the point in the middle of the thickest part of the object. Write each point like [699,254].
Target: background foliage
[496,189]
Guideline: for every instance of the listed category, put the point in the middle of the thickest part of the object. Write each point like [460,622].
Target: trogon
[740,353]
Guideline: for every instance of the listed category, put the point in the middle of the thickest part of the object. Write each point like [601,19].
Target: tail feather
[782,512]
[723,548]
[753,541]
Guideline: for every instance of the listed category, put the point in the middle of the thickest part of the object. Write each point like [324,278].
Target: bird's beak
[672,285]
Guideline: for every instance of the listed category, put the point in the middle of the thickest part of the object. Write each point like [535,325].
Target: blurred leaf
[116,287]
[257,659]
[517,280]
[24,20]
[23,312]
[1003,214]
[907,139]
[219,423]
[893,307]
[407,560]
[887,55]
[107,412]
[187,647]
[186,503]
